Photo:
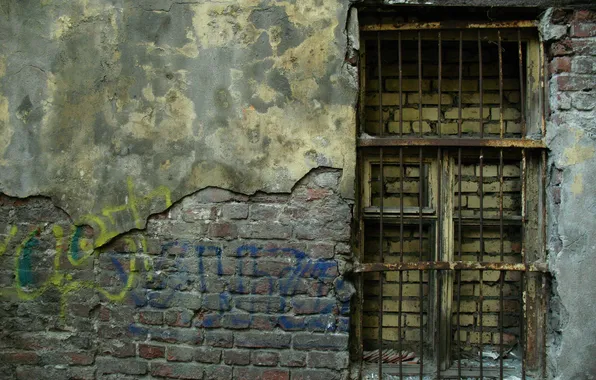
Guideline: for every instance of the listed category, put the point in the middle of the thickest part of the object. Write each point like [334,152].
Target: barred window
[451,235]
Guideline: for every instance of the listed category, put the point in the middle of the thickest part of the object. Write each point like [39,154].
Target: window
[451,235]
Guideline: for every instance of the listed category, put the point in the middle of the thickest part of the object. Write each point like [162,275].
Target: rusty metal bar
[522,93]
[480,297]
[448,25]
[401,111]
[382,188]
[421,272]
[459,239]
[501,257]
[439,87]
[439,254]
[420,85]
[450,142]
[501,119]
[452,265]
[401,246]
[481,101]
[459,97]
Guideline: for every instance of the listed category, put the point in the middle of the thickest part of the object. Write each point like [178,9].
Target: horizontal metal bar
[453,265]
[448,25]
[453,142]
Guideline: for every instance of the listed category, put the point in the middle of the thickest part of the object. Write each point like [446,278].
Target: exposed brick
[292,358]
[80,358]
[252,373]
[148,351]
[262,340]
[108,365]
[575,83]
[263,322]
[291,323]
[177,370]
[218,372]
[118,349]
[563,47]
[180,354]
[331,342]
[260,304]
[236,321]
[236,357]
[219,338]
[178,318]
[331,360]
[22,357]
[151,317]
[312,305]
[207,355]
[263,358]
[560,65]
[315,374]
[235,211]
[582,29]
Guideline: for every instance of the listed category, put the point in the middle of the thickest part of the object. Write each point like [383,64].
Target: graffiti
[161,279]
[81,250]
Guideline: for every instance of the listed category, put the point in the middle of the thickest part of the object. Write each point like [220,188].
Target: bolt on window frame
[444,269]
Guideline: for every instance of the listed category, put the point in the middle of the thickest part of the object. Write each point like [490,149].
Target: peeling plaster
[171,98]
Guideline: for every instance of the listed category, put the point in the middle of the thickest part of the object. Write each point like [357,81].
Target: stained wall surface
[177,186]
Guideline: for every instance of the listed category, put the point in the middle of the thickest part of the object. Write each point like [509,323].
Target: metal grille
[452,216]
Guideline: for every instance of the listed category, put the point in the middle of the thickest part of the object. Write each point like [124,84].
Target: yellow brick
[508,186]
[413,320]
[467,187]
[468,170]
[372,85]
[388,98]
[464,320]
[474,98]
[372,333]
[425,127]
[392,70]
[407,85]
[508,114]
[392,289]
[513,97]
[511,171]
[414,276]
[452,85]
[449,128]
[474,337]
[468,113]
[489,170]
[430,99]
[513,127]
[446,71]
[393,127]
[411,114]
[372,128]
[412,335]
[406,307]
[487,202]
[493,84]
[372,114]
[394,202]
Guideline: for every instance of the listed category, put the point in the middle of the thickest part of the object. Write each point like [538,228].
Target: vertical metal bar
[481,101]
[401,251]
[459,239]
[439,89]
[420,84]
[459,219]
[522,92]
[439,254]
[543,88]
[420,179]
[523,274]
[401,111]
[501,256]
[502,123]
[461,58]
[480,297]
[421,272]
[382,185]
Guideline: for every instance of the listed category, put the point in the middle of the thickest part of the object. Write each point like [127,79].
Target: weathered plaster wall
[116,109]
[571,139]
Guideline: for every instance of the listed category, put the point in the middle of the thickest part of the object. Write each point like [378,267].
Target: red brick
[261,374]
[584,15]
[25,357]
[563,47]
[560,65]
[575,82]
[151,352]
[80,358]
[583,29]
[151,317]
[314,194]
[177,370]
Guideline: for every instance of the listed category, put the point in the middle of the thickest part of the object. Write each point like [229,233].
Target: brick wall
[221,286]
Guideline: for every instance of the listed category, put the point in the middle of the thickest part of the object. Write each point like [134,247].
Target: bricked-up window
[452,223]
